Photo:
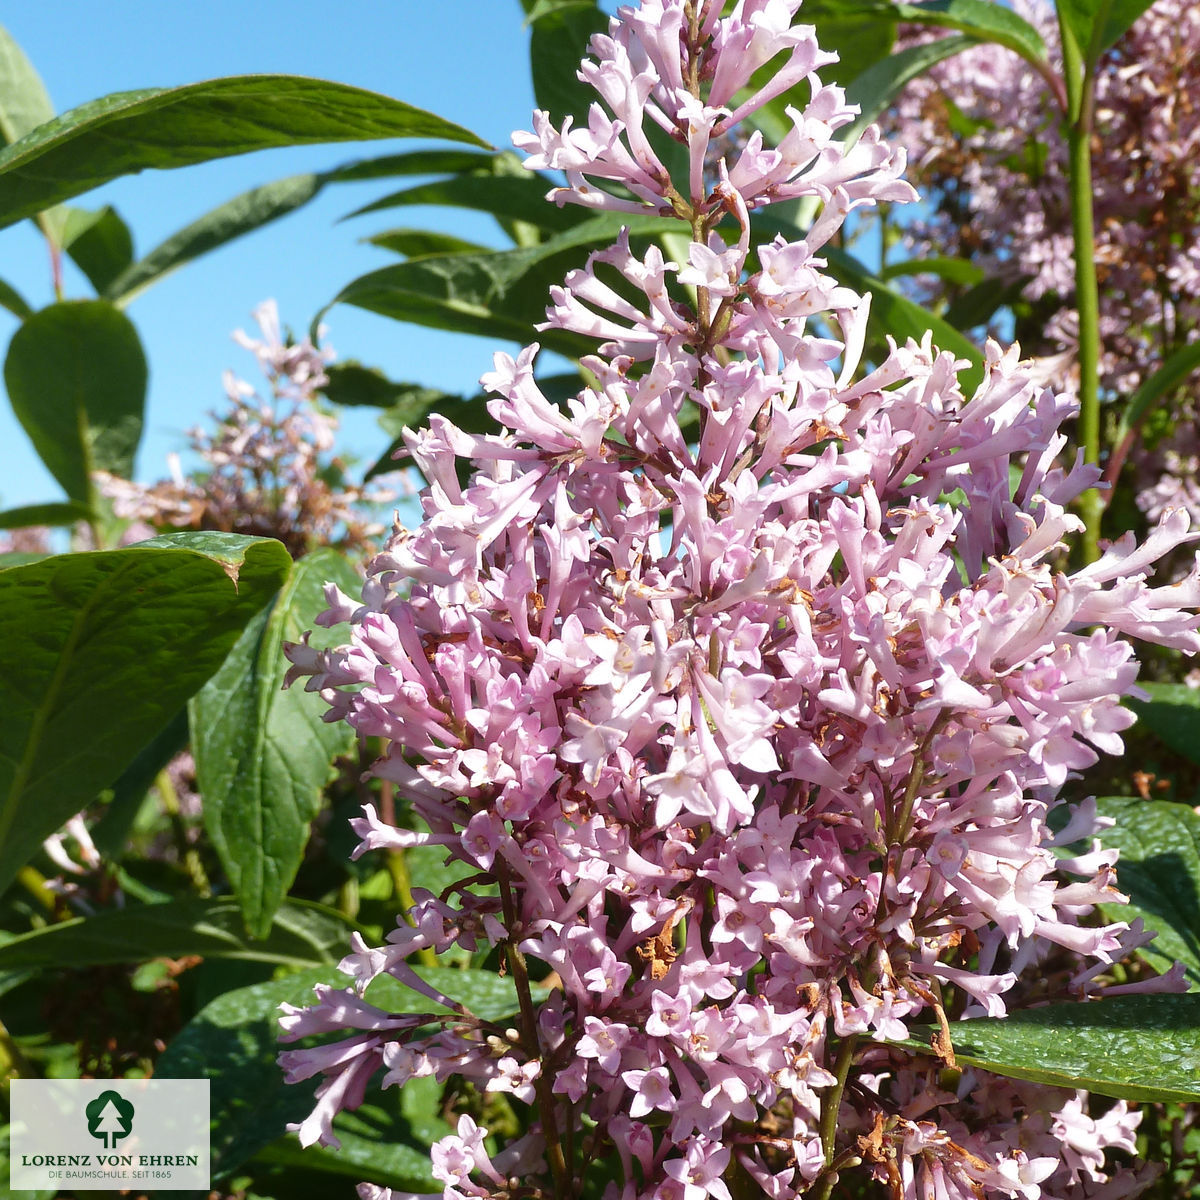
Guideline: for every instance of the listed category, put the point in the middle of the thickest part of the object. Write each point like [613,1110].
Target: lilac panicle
[747,680]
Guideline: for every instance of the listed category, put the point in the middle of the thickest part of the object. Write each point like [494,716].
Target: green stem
[546,1102]
[1081,104]
[831,1104]
[188,854]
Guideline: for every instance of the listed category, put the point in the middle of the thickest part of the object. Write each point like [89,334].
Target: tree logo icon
[109,1118]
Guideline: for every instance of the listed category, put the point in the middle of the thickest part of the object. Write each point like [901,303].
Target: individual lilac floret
[746,682]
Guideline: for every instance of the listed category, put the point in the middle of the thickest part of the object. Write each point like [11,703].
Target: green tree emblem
[109,1118]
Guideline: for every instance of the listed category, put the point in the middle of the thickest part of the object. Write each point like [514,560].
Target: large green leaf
[264,755]
[76,377]
[953,270]
[99,244]
[982,19]
[234,1043]
[99,652]
[499,294]
[1159,869]
[175,127]
[1172,714]
[1131,1047]
[302,935]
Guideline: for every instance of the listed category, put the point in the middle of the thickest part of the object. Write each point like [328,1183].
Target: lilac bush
[747,733]
[268,467]
[1003,202]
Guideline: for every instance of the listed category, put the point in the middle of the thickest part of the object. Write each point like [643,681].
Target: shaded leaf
[264,755]
[511,197]
[110,833]
[1159,869]
[421,243]
[76,377]
[16,304]
[352,384]
[980,303]
[557,43]
[1130,1047]
[100,652]
[303,934]
[99,244]
[1172,714]
[241,215]
[411,162]
[175,127]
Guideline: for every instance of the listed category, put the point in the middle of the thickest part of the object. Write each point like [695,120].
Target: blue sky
[466,60]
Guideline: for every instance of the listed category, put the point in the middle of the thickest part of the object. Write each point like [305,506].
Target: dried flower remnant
[754,735]
[268,468]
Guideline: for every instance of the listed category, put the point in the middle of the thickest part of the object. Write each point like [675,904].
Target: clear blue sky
[466,60]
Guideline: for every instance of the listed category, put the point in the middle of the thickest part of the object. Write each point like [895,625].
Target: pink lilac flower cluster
[747,724]
[267,469]
[1004,201]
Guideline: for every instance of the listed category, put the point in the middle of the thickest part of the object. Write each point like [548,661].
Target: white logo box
[109,1134]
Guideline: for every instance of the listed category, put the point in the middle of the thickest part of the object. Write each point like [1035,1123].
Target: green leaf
[99,244]
[264,755]
[953,270]
[99,652]
[234,1043]
[303,935]
[5,1156]
[422,243]
[175,127]
[1172,714]
[377,1146]
[411,162]
[980,19]
[979,304]
[353,385]
[510,197]
[878,86]
[241,215]
[498,294]
[76,377]
[64,512]
[557,44]
[24,102]
[16,304]
[1131,1047]
[24,105]
[1098,24]
[110,834]
[1161,383]
[902,318]
[1159,869]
